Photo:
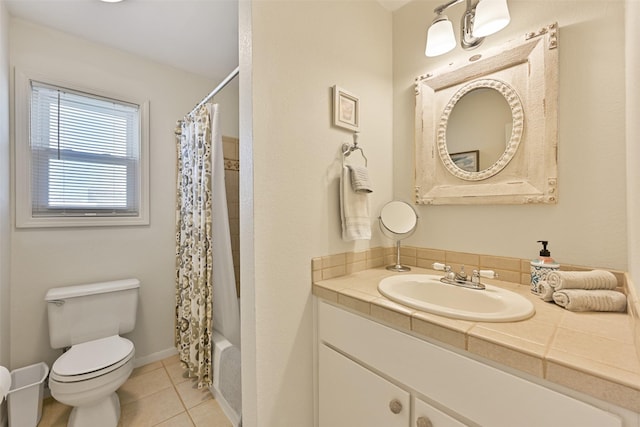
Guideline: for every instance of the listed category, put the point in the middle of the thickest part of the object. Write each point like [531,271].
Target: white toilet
[89,320]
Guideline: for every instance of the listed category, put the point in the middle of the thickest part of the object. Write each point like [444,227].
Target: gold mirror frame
[525,72]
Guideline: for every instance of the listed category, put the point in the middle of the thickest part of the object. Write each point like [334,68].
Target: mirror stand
[398,267]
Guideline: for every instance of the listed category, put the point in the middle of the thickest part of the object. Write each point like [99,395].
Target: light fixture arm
[438,10]
[467,40]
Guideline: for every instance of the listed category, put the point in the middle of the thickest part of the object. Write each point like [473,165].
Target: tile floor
[156,394]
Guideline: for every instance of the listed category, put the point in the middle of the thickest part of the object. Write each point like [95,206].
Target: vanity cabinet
[351,395]
[363,366]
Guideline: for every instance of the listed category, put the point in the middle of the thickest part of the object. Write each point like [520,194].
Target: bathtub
[226,388]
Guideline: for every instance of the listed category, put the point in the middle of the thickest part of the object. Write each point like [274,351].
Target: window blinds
[85,154]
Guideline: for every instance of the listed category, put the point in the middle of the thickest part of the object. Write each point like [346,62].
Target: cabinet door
[426,415]
[353,396]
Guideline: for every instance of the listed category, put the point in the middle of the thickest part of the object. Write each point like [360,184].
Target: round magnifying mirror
[398,220]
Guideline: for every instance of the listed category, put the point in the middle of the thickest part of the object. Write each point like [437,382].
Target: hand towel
[596,279]
[360,179]
[593,300]
[354,210]
[545,291]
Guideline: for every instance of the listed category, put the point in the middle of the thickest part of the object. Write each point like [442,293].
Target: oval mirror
[398,220]
[480,129]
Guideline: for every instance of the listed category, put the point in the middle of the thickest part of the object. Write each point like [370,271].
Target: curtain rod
[218,88]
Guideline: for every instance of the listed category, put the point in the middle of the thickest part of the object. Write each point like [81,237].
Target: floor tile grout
[184,406]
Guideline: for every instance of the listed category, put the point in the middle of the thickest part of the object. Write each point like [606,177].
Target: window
[85,159]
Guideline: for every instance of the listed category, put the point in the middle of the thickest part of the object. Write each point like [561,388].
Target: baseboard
[154,357]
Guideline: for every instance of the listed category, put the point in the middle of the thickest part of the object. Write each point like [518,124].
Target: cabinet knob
[396,406]
[423,422]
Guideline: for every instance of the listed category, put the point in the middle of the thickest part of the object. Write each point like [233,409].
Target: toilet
[88,320]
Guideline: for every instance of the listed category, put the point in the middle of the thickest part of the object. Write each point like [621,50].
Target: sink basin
[426,292]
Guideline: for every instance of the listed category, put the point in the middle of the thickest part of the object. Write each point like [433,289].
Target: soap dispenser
[541,267]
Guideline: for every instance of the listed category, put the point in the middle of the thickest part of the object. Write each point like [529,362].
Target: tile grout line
[173,384]
[150,395]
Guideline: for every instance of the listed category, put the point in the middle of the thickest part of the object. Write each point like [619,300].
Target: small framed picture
[467,160]
[346,109]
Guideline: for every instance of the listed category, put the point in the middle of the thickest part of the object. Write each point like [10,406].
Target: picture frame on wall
[467,160]
[346,109]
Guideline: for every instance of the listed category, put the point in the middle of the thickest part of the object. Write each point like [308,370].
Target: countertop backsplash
[515,270]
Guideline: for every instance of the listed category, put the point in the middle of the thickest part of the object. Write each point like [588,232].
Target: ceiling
[166,31]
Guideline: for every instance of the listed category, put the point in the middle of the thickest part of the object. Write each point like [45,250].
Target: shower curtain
[205,282]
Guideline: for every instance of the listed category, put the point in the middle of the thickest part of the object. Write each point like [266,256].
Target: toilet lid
[92,356]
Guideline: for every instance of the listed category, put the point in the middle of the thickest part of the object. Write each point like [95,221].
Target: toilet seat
[92,359]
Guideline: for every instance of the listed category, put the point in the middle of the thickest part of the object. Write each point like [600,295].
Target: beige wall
[44,258]
[5,178]
[632,28]
[588,225]
[227,98]
[292,53]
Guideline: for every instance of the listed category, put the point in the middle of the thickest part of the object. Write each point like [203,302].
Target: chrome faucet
[461,279]
[461,275]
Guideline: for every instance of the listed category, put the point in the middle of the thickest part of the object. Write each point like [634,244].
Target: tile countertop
[593,353]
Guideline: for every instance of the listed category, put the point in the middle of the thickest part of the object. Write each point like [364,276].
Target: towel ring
[348,149]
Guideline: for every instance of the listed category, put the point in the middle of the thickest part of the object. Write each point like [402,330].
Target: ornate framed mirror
[486,130]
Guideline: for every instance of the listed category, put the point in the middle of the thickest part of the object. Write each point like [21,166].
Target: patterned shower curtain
[194,257]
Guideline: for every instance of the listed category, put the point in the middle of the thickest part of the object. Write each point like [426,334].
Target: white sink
[426,292]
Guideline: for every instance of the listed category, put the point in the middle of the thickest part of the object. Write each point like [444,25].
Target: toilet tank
[83,313]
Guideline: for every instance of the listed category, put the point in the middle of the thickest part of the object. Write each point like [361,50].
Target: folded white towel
[545,291]
[593,300]
[360,179]
[354,210]
[595,279]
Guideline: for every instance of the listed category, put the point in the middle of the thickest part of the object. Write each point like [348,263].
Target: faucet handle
[440,266]
[489,274]
[475,276]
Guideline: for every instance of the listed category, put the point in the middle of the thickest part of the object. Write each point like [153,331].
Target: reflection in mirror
[398,220]
[480,122]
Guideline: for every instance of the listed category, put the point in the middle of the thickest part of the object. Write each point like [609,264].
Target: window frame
[23,160]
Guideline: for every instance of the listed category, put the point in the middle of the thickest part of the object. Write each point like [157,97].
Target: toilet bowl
[87,376]
[88,320]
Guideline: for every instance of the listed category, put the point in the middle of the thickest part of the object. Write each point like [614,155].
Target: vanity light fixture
[479,20]
[111,1]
